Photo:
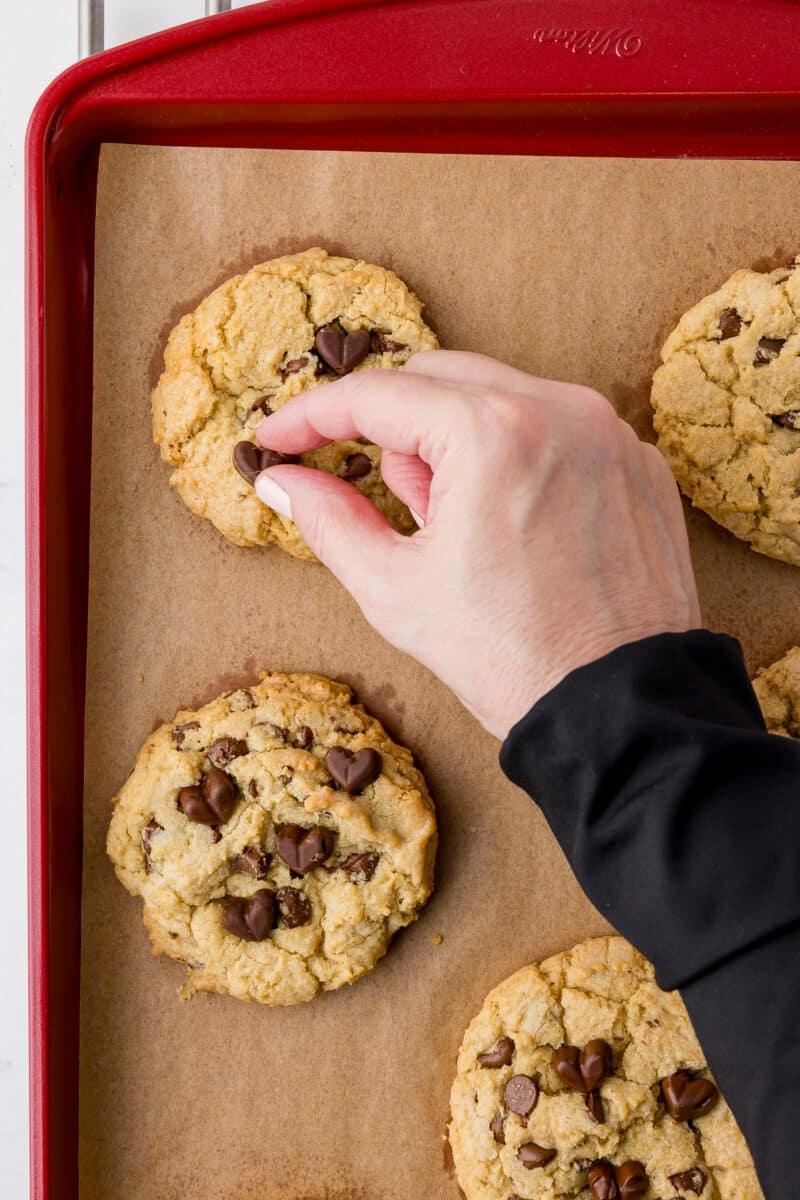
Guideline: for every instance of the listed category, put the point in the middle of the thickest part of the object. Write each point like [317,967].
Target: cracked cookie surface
[727,408]
[778,690]
[278,838]
[600,993]
[250,346]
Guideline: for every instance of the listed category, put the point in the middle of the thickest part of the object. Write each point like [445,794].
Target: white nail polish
[420,521]
[273,496]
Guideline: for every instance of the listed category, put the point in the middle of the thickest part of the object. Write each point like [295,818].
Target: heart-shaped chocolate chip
[531,1155]
[522,1094]
[583,1070]
[250,919]
[631,1179]
[342,351]
[498,1055]
[250,460]
[224,749]
[687,1098]
[210,802]
[303,849]
[601,1181]
[354,771]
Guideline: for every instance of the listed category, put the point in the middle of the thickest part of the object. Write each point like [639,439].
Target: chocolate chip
[687,1098]
[250,460]
[212,801]
[253,861]
[225,749]
[601,1181]
[263,405]
[356,466]
[768,349]
[295,907]
[354,771]
[293,366]
[250,919]
[789,420]
[729,323]
[216,836]
[531,1155]
[150,829]
[303,849]
[583,1070]
[631,1179]
[383,344]
[179,731]
[693,1180]
[522,1094]
[498,1127]
[276,731]
[360,867]
[304,737]
[253,788]
[342,352]
[498,1055]
[595,1107]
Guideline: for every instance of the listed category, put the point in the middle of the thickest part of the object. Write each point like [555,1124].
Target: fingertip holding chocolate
[273,495]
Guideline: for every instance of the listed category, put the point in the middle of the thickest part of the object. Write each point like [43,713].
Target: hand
[551,534]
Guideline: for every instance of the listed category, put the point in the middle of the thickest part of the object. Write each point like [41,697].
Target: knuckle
[509,412]
[594,404]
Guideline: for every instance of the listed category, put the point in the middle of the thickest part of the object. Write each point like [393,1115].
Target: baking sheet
[575,269]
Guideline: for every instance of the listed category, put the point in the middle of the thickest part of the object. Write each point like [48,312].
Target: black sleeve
[680,816]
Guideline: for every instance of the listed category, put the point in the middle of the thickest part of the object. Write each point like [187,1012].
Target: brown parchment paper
[569,268]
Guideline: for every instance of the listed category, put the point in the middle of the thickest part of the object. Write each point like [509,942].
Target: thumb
[343,528]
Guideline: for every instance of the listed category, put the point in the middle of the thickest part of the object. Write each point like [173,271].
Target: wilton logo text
[624,43]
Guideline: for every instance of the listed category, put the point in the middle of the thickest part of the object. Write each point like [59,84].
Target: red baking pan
[703,78]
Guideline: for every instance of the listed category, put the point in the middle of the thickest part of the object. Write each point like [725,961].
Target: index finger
[410,413]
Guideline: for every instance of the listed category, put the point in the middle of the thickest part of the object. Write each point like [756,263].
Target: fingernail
[272,495]
[420,521]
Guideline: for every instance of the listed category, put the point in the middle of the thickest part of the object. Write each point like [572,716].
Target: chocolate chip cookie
[778,690]
[260,338]
[580,1078]
[278,839]
[727,408]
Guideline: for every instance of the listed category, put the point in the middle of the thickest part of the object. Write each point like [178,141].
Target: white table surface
[39,40]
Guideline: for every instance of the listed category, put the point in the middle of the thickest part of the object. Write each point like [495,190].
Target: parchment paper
[570,268]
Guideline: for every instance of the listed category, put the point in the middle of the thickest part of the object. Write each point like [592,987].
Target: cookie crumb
[437,939]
